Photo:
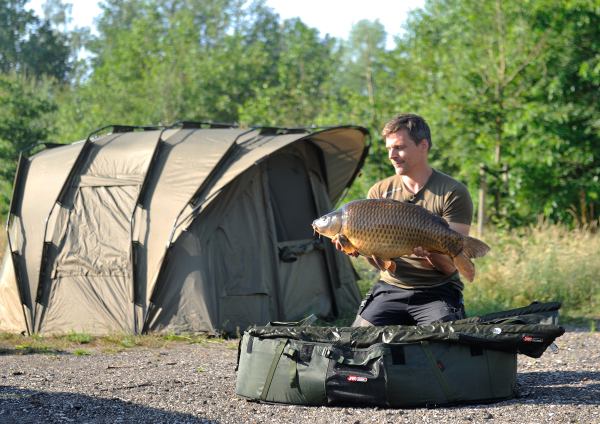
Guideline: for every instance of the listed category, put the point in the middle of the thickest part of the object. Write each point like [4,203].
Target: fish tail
[474,248]
[465,266]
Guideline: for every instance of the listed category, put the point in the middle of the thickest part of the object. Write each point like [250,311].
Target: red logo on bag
[530,339]
[356,378]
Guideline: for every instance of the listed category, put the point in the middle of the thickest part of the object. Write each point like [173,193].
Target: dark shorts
[386,304]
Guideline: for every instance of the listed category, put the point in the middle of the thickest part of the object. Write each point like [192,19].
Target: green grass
[81,338]
[71,343]
[544,263]
[35,347]
[201,339]
[367,273]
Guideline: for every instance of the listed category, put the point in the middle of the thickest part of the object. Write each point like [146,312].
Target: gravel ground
[194,384]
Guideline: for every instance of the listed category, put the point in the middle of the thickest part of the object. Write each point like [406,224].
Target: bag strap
[437,371]
[276,358]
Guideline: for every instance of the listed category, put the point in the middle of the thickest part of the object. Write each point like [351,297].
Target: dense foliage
[512,86]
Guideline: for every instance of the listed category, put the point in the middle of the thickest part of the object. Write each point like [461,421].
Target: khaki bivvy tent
[196,227]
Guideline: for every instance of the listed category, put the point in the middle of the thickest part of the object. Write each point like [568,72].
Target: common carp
[383,229]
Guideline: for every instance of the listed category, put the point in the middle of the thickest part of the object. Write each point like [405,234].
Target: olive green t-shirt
[445,197]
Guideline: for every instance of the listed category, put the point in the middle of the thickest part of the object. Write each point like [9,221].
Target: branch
[532,55]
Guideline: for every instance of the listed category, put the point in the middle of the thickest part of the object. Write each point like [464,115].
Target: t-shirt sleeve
[373,192]
[458,206]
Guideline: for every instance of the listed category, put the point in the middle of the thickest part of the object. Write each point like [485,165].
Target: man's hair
[416,127]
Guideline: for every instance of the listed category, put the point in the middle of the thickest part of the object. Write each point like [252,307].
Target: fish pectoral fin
[346,244]
[464,266]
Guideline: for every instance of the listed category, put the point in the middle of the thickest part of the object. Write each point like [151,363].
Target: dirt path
[193,384]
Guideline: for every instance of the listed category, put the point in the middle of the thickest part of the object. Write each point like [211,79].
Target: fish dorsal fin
[440,220]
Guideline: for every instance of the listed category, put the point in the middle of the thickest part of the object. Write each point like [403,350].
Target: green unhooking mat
[471,360]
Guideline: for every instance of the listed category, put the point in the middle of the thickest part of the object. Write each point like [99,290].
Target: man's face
[404,154]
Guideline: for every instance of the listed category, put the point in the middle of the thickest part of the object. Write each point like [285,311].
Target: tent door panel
[222,267]
[239,265]
[93,262]
[291,197]
[241,260]
[303,286]
[244,311]
[88,304]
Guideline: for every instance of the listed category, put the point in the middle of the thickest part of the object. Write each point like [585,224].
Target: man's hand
[442,263]
[421,252]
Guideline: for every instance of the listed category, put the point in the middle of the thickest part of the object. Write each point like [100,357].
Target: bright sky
[333,17]
[336,17]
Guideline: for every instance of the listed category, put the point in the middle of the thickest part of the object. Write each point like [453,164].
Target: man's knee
[445,314]
[361,322]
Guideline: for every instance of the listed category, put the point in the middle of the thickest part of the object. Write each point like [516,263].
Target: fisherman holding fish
[415,230]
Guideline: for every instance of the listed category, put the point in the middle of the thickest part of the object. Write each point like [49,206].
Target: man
[425,287]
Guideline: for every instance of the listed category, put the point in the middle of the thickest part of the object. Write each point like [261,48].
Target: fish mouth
[315,232]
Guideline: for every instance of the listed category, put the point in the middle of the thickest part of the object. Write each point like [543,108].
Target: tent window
[291,197]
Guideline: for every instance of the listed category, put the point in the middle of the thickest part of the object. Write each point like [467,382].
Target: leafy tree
[483,72]
[362,94]
[364,51]
[297,92]
[163,61]
[368,67]
[567,145]
[58,15]
[29,45]
[25,109]
[34,59]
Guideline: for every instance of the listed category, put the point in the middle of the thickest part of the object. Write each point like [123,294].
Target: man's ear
[423,145]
